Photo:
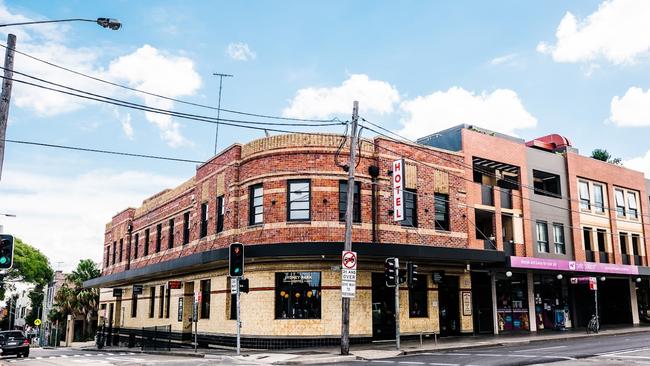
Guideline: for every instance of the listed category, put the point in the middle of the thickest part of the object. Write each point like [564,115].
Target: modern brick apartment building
[497,226]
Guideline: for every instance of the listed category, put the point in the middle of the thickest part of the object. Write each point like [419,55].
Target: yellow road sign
[37,322]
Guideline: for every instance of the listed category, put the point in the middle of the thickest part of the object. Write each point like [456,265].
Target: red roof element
[550,142]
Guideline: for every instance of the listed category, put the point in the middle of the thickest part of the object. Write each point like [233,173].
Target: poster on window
[467,303]
[298,295]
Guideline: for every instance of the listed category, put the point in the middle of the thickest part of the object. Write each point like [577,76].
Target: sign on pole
[593,283]
[348,274]
[398,188]
[233,285]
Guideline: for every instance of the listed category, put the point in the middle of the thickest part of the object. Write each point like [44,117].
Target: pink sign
[564,265]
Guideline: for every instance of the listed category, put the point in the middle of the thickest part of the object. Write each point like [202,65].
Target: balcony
[506,197]
[487,195]
[603,257]
[589,256]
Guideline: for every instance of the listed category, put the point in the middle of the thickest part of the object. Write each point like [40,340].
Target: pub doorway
[383,308]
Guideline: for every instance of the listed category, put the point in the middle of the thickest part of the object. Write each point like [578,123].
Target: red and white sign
[593,283]
[398,187]
[349,260]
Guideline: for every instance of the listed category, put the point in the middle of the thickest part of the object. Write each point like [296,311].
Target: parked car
[14,342]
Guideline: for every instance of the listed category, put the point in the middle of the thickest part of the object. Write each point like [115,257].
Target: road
[627,349]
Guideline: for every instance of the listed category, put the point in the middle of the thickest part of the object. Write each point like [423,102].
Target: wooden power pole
[349,209]
[5,97]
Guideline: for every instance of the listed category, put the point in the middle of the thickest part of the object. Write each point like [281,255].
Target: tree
[30,265]
[604,155]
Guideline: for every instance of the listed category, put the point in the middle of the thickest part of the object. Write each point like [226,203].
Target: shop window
[418,298]
[599,202]
[441,207]
[161,301]
[256,205]
[298,295]
[620,203]
[136,245]
[168,302]
[134,304]
[152,298]
[410,208]
[158,237]
[146,242]
[585,199]
[343,201]
[170,234]
[542,237]
[205,299]
[512,303]
[299,200]
[220,213]
[558,238]
[186,228]
[204,219]
[546,184]
[631,205]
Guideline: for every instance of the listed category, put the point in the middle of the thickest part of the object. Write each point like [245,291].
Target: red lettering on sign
[398,201]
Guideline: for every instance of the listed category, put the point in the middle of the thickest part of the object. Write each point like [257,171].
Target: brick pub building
[470,225]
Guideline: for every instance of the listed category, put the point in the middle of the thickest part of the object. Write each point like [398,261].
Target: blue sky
[578,68]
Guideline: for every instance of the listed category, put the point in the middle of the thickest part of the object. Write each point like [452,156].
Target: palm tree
[87,299]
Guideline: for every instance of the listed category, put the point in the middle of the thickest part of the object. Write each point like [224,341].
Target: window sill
[254,226]
[297,222]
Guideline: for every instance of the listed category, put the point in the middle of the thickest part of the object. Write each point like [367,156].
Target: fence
[157,338]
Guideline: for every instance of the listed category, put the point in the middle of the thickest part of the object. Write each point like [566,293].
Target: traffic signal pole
[238,318]
[397,337]
[345,302]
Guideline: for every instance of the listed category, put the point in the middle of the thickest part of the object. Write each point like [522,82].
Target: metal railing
[157,338]
[589,256]
[603,257]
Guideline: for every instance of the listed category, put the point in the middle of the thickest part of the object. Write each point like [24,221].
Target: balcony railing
[603,257]
[487,195]
[637,260]
[589,256]
[489,244]
[506,198]
[625,258]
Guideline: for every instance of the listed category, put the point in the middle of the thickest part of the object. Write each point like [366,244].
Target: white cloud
[240,51]
[641,163]
[64,217]
[374,96]
[127,127]
[619,32]
[632,109]
[500,110]
[146,68]
[505,59]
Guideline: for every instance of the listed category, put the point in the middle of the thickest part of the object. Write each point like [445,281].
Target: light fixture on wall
[508,274]
[638,279]
[603,278]
[559,276]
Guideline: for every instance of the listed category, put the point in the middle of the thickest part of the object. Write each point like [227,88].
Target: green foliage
[30,265]
[604,155]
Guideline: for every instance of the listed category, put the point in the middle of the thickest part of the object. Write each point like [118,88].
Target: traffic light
[390,269]
[236,260]
[6,251]
[411,274]
[243,285]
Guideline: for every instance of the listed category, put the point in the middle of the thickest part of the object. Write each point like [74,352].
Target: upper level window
[599,202]
[158,237]
[546,184]
[121,257]
[136,245]
[635,244]
[170,236]
[542,237]
[410,208]
[220,212]
[204,219]
[186,228]
[585,199]
[146,242]
[343,201]
[256,205]
[558,237]
[620,202]
[299,200]
[108,256]
[631,205]
[114,251]
[441,207]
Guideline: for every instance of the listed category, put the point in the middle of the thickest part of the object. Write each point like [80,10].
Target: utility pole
[216,136]
[345,302]
[5,97]
[238,317]
[397,283]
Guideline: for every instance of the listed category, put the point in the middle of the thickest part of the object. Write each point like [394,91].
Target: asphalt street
[603,350]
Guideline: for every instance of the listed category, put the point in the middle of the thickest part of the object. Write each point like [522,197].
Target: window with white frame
[558,238]
[631,205]
[542,236]
[585,199]
[599,201]
[620,202]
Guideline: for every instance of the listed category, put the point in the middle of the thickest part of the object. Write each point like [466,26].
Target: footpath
[372,351]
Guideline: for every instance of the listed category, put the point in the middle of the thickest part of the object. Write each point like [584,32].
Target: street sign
[438,277]
[138,289]
[233,285]
[37,322]
[349,260]
[348,273]
[174,285]
[180,309]
[348,288]
[593,283]
[117,292]
[398,187]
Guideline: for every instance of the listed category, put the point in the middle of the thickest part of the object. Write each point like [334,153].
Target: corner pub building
[283,197]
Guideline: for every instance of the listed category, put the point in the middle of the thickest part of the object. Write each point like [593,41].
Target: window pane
[300,205]
[299,215]
[418,298]
[258,201]
[298,295]
[301,196]
[299,187]
[631,200]
[598,198]
[259,218]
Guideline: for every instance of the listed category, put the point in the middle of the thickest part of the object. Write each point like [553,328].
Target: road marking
[87,354]
[538,349]
[460,354]
[443,364]
[381,361]
[629,350]
[411,363]
[39,358]
[631,357]
[487,355]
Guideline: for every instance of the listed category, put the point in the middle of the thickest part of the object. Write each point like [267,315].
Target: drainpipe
[373,170]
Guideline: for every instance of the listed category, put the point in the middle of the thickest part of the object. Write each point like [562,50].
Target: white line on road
[630,357]
[487,355]
[538,349]
[623,351]
[460,354]
[381,361]
[442,364]
[411,363]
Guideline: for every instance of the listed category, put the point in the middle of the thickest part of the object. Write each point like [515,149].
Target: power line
[162,96]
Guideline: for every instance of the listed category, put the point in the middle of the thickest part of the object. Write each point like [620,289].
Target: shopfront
[551,302]
[512,302]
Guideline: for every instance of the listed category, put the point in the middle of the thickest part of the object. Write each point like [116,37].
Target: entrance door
[482,303]
[188,305]
[449,304]
[383,308]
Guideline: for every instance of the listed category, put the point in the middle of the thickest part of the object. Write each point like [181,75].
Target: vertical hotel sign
[398,186]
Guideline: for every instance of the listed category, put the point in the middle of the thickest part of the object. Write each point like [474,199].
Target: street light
[110,23]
